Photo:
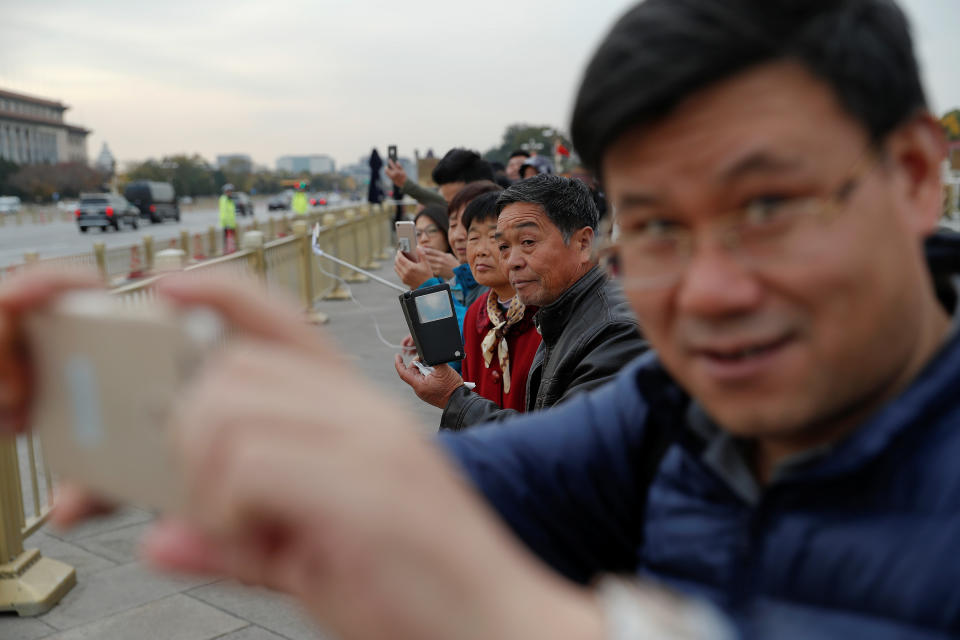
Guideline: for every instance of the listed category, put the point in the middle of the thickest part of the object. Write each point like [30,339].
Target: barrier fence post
[148,253]
[305,260]
[271,229]
[370,233]
[351,226]
[185,241]
[30,257]
[253,241]
[212,242]
[100,254]
[383,233]
[339,291]
[171,260]
[29,583]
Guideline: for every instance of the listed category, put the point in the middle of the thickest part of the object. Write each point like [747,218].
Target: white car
[9,204]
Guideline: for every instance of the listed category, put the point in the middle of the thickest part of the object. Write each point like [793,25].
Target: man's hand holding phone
[396,173]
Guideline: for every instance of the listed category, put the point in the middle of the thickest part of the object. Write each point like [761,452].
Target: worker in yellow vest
[299,203]
[228,219]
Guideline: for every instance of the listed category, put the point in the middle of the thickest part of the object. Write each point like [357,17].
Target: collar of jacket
[483,318]
[552,319]
[464,277]
[923,405]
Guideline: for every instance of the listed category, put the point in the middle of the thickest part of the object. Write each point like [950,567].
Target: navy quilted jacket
[862,542]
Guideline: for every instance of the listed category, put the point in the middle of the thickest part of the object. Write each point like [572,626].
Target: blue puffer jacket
[860,541]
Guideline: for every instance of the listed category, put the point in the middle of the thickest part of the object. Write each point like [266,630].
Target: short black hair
[519,152]
[461,165]
[662,51]
[567,202]
[481,209]
[473,189]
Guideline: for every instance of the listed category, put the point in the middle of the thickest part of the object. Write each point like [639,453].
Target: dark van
[155,200]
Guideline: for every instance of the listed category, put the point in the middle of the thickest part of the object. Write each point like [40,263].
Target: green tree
[190,175]
[265,182]
[40,181]
[237,172]
[539,138]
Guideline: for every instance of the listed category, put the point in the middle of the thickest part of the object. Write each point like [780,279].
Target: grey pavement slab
[123,517]
[175,618]
[118,545]
[13,627]
[252,632]
[267,609]
[115,590]
[354,329]
[85,562]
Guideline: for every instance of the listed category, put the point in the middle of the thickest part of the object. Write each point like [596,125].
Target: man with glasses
[788,451]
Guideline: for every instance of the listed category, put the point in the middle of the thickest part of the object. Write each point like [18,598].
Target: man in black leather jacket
[546,231]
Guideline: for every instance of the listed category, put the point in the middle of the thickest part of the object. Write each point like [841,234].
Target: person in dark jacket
[499,338]
[546,232]
[456,169]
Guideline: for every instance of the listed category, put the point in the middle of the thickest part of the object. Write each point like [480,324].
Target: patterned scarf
[494,341]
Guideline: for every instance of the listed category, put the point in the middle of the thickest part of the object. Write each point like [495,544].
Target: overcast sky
[332,76]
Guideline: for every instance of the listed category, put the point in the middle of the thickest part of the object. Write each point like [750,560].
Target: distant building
[239,161]
[310,164]
[105,160]
[32,131]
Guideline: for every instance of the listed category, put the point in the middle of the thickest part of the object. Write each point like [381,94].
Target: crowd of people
[750,431]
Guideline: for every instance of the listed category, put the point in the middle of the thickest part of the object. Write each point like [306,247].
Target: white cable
[357,302]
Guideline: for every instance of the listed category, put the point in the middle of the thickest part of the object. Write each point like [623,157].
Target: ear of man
[583,239]
[916,151]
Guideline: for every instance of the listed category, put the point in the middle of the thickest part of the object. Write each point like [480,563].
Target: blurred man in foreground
[787,452]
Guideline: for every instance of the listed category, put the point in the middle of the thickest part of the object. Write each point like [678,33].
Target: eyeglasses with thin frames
[429,231]
[765,231]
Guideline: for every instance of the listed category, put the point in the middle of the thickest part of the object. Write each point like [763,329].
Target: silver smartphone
[107,377]
[407,239]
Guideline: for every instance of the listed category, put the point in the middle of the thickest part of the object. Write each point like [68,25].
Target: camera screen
[434,306]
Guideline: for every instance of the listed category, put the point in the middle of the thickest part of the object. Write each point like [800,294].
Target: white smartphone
[107,378]
[407,239]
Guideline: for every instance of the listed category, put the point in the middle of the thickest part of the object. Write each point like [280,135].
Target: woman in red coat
[499,337]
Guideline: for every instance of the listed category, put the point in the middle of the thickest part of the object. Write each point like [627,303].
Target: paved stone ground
[118,598]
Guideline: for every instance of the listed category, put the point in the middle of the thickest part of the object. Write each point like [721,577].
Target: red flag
[562,150]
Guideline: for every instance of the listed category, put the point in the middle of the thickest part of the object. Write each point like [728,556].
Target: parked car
[154,200]
[105,210]
[9,204]
[243,203]
[279,203]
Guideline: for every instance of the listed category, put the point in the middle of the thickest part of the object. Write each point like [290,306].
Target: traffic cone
[198,248]
[230,241]
[136,266]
